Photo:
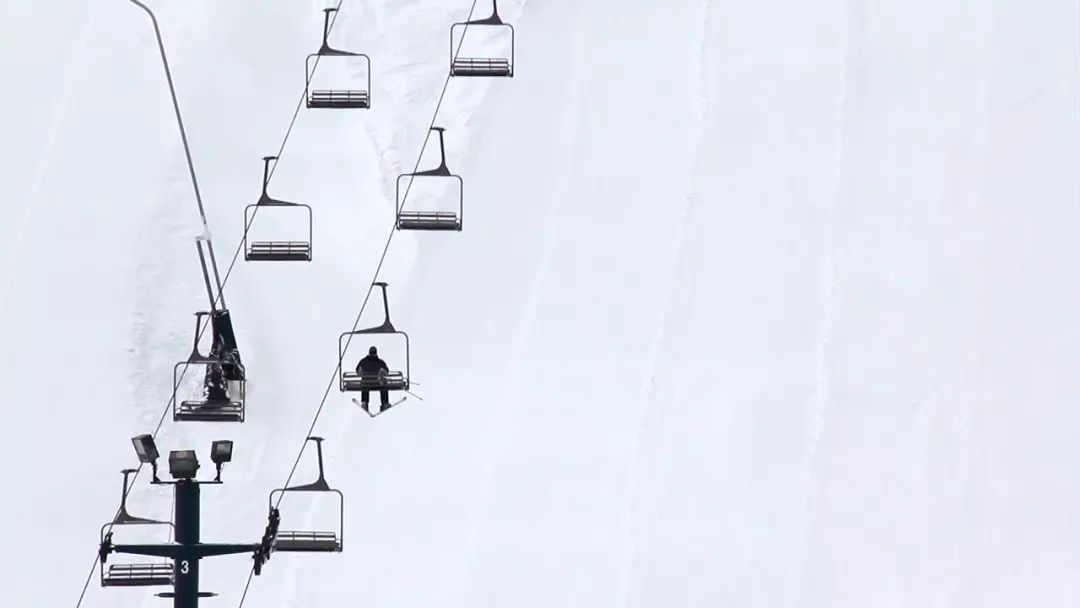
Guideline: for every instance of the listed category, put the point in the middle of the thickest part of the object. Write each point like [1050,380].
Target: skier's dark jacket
[216,387]
[371,365]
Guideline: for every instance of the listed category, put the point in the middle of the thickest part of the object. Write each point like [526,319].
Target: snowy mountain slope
[760,305]
[951,358]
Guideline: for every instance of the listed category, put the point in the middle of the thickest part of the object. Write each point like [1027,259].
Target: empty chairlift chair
[393,380]
[430,219]
[275,251]
[222,366]
[482,66]
[334,98]
[133,574]
[312,541]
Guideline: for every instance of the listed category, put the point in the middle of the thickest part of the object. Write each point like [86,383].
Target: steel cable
[198,198]
[367,296]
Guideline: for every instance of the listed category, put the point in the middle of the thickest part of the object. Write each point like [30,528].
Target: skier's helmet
[372,351]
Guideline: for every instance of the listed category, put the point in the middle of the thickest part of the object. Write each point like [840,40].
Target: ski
[369,413]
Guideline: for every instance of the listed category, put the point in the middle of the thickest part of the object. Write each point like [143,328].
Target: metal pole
[186,586]
[187,148]
[206,279]
[213,264]
[186,552]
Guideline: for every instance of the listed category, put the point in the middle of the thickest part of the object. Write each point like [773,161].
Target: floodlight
[145,448]
[147,452]
[221,451]
[183,464]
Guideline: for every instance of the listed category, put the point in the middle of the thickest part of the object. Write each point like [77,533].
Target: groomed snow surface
[756,304]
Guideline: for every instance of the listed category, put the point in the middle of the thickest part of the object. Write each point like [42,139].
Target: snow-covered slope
[762,305]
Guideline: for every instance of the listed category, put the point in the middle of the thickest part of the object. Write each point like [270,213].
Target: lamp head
[220,453]
[145,448]
[147,452]
[183,464]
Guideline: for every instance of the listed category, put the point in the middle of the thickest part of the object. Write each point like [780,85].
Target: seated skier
[215,387]
[370,368]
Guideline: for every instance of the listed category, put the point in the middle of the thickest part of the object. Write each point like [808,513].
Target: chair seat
[428,220]
[339,99]
[394,381]
[279,251]
[201,411]
[473,66]
[138,575]
[323,542]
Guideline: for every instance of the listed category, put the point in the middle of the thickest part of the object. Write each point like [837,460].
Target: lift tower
[187,551]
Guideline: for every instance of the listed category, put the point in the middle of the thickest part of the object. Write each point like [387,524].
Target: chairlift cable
[371,286]
[273,168]
[93,567]
[239,248]
[281,148]
[198,199]
[363,305]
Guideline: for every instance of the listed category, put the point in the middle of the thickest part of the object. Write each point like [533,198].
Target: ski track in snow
[61,111]
[525,324]
[1076,90]
[956,579]
[652,406]
[828,294]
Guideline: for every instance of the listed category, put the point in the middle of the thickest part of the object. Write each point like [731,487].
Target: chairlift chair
[431,220]
[312,541]
[482,66]
[352,381]
[335,98]
[275,251]
[133,574]
[222,366]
